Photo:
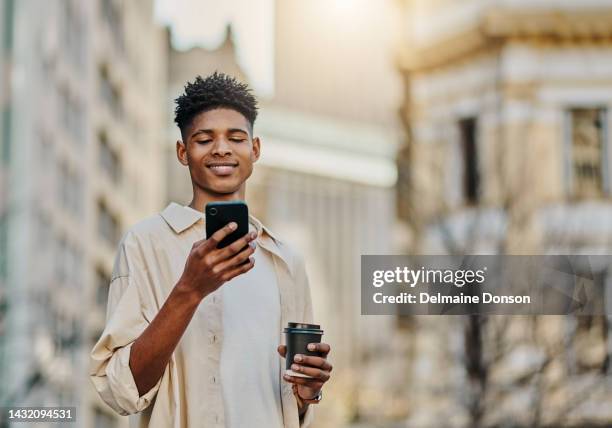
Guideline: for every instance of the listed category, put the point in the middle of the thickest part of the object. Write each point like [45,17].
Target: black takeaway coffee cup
[298,335]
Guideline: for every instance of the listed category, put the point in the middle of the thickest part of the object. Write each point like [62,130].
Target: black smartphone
[219,214]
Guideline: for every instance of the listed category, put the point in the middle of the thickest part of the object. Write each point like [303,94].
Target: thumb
[282,350]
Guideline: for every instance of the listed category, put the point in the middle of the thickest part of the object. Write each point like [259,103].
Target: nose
[222,147]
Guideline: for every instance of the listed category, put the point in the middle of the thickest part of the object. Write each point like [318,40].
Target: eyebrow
[238,130]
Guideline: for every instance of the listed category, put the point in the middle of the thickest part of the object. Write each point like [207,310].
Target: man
[192,331]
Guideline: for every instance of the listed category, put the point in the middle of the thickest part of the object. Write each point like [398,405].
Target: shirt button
[212,338]
[213,379]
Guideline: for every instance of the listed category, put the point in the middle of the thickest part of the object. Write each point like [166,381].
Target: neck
[201,197]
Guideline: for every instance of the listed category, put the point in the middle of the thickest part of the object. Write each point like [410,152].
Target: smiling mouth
[222,169]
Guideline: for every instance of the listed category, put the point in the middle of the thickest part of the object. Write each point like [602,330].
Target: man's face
[219,150]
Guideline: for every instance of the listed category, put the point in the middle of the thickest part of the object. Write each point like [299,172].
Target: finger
[313,372]
[239,270]
[196,244]
[282,350]
[313,400]
[323,348]
[235,246]
[234,261]
[307,360]
[218,236]
[311,383]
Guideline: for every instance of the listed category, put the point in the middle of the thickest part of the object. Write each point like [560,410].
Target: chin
[223,190]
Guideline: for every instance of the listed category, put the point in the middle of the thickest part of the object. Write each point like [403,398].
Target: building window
[67,336]
[74,41]
[68,262]
[109,160]
[108,225]
[70,189]
[44,247]
[111,13]
[75,263]
[109,93]
[587,152]
[73,116]
[471,178]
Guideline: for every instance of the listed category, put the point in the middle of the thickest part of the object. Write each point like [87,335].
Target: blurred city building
[507,111]
[83,117]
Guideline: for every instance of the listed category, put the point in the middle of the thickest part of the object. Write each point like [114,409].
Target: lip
[222,169]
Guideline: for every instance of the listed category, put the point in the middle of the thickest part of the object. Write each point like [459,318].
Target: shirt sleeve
[109,360]
[307,316]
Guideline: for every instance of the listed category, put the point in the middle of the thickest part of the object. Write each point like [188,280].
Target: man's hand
[208,267]
[306,389]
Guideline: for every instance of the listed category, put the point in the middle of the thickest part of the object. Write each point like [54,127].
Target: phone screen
[219,214]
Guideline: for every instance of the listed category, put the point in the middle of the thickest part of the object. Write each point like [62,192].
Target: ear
[181,152]
[256,149]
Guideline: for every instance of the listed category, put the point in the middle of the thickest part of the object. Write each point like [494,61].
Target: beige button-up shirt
[149,262]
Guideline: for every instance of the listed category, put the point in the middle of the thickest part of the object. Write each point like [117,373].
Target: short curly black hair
[215,91]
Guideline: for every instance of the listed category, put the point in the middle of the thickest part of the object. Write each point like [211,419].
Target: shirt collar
[181,218]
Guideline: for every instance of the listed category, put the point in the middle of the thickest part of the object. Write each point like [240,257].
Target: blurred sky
[203,23]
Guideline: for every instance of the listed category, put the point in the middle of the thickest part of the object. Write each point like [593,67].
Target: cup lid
[304,325]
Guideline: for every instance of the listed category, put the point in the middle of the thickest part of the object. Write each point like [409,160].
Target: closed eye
[237,140]
[203,141]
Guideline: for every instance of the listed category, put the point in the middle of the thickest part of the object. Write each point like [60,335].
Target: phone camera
[213,211]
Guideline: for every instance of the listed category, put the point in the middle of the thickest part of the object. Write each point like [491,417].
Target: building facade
[507,109]
[85,120]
